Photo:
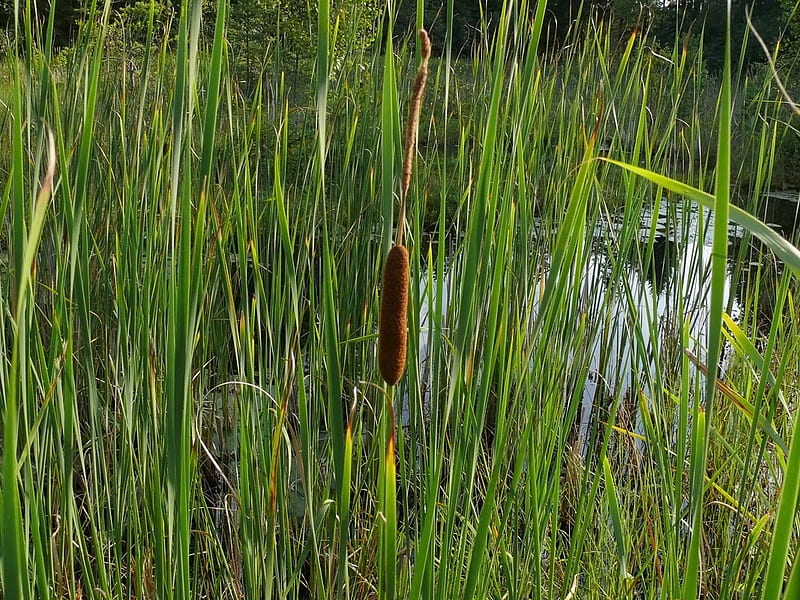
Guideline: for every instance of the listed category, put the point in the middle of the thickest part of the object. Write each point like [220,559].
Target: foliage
[132,22]
[284,30]
[706,19]
[190,398]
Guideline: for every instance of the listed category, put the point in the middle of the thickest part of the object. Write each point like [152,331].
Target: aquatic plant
[392,334]
[550,436]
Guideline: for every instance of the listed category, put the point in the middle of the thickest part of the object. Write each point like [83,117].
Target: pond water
[649,303]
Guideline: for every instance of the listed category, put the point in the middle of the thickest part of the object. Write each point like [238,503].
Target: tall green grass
[190,396]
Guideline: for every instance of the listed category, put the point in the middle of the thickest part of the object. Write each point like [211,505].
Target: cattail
[392,336]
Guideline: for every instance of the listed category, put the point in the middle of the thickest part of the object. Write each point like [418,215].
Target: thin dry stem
[787,98]
[411,129]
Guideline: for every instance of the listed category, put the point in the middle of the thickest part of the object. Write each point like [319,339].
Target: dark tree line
[693,17]
[667,19]
[67,14]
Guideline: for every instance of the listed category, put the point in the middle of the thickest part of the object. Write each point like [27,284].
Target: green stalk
[387,505]
[784,530]
[336,426]
[718,274]
[185,291]
[390,142]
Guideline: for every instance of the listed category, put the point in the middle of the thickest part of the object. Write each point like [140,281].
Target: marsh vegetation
[600,395]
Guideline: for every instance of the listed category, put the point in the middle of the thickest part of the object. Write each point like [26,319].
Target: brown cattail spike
[392,335]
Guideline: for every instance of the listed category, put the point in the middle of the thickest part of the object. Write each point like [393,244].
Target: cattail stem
[412,126]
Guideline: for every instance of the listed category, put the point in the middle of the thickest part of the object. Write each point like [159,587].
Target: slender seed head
[392,334]
[410,137]
[414,109]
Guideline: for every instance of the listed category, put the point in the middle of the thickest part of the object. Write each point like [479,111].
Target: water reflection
[664,283]
[781,211]
[665,287]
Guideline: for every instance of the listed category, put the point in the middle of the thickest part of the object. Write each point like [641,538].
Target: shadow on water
[757,269]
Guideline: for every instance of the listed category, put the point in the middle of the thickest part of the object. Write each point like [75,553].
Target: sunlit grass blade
[744,344]
[784,528]
[745,407]
[387,507]
[620,535]
[782,248]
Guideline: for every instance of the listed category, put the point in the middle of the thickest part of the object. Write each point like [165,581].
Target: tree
[65,13]
[706,19]
[286,31]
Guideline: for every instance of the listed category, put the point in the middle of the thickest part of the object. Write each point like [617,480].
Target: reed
[163,437]
[392,326]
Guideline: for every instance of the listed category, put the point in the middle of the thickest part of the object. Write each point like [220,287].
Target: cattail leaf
[782,247]
[620,535]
